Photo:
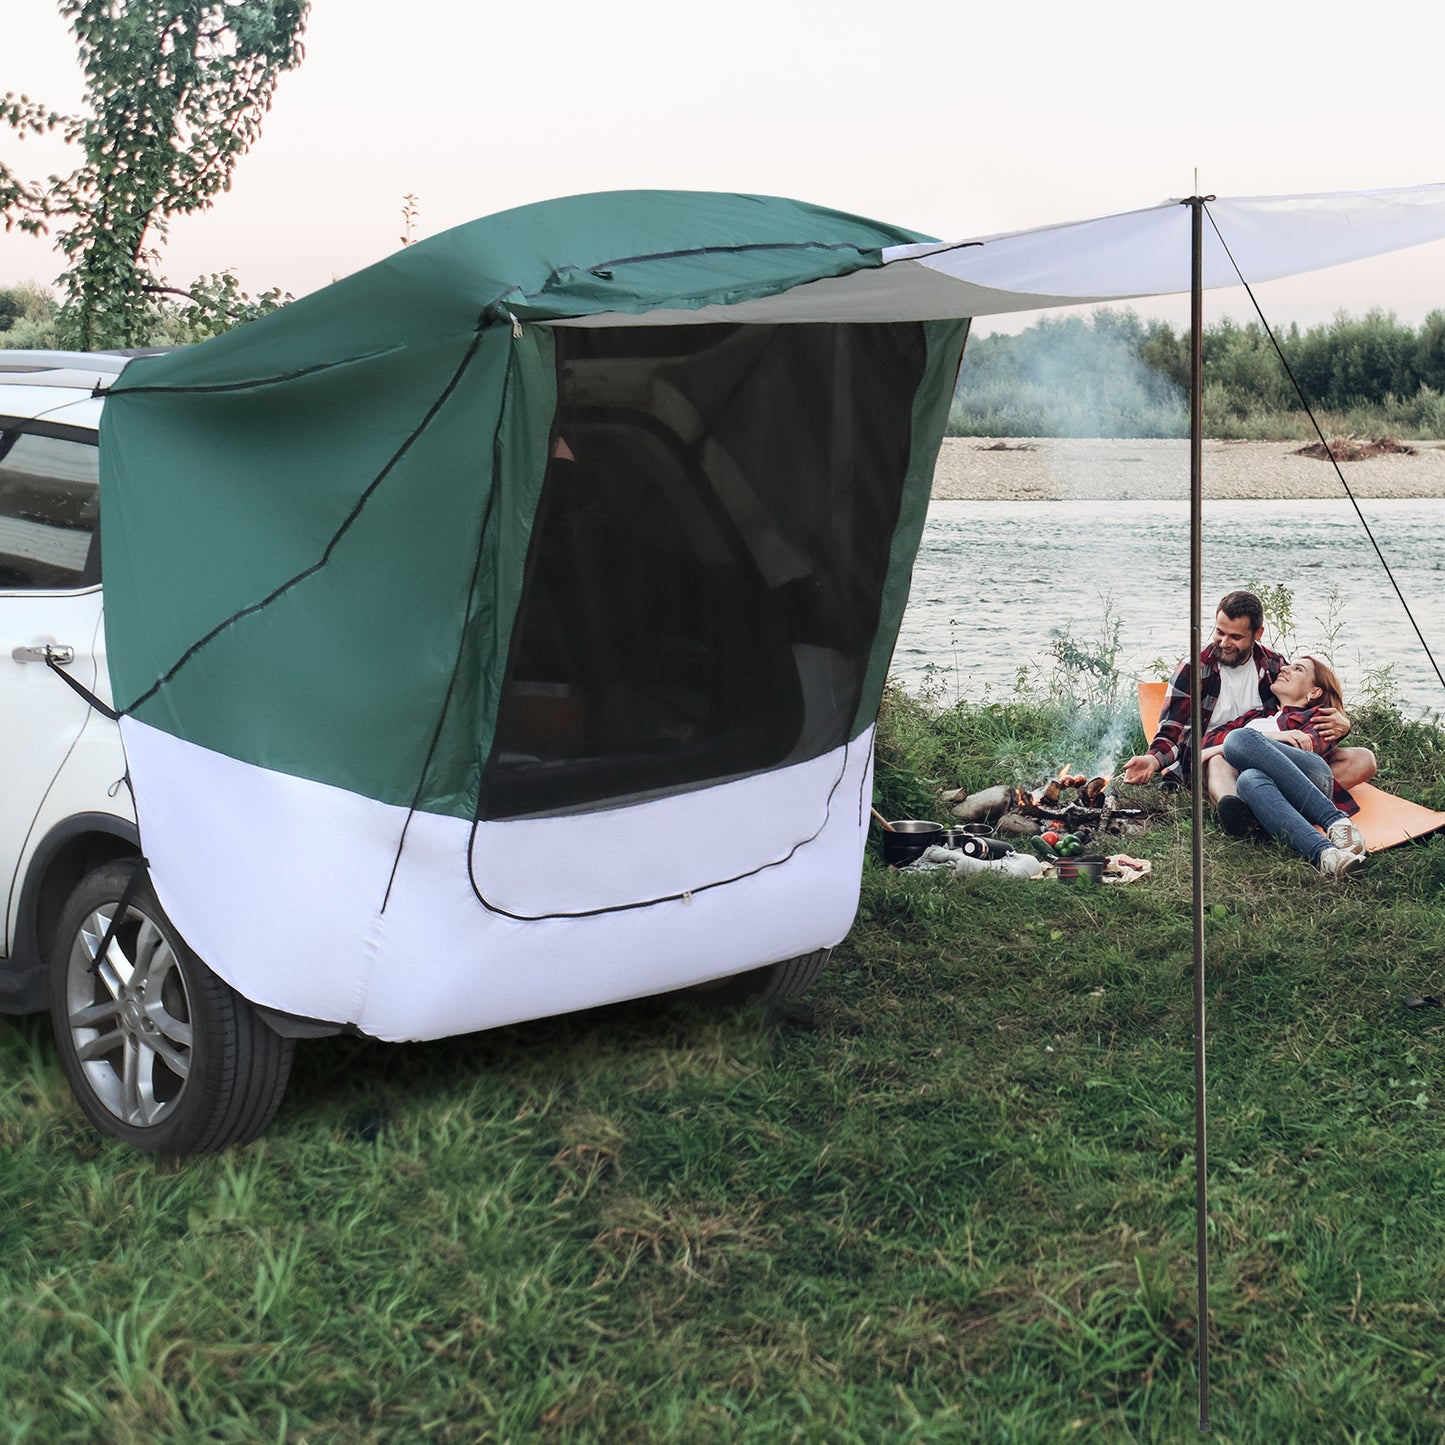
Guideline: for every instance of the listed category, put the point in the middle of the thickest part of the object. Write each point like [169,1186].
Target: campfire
[1080,804]
[1048,798]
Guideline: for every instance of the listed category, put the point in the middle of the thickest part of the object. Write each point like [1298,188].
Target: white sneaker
[1345,836]
[1336,863]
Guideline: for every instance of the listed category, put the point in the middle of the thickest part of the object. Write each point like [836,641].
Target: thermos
[975,845]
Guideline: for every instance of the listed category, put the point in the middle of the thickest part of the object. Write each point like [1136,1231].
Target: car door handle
[46,652]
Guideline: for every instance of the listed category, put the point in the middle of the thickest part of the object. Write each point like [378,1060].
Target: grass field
[948,1197]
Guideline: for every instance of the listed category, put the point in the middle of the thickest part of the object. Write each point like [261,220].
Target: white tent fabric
[1109,258]
[1146,253]
[299,930]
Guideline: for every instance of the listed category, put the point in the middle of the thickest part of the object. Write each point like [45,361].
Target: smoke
[1067,376]
[1111,744]
[1095,738]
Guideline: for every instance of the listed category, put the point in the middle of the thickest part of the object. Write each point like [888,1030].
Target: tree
[23,303]
[1428,363]
[175,91]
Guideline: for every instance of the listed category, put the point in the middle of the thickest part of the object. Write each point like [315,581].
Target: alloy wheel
[129,1015]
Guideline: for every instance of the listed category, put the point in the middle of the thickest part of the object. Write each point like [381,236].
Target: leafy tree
[1115,375]
[1067,376]
[1355,359]
[175,91]
[1373,356]
[27,317]
[1162,351]
[1428,362]
[26,303]
[1242,360]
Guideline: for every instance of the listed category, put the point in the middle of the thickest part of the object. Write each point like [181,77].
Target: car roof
[64,406]
[60,386]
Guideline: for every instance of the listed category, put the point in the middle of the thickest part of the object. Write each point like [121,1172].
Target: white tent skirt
[304,897]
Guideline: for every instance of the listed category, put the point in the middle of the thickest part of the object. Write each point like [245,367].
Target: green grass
[949,1197]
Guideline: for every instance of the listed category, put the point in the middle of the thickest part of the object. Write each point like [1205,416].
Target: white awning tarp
[1120,257]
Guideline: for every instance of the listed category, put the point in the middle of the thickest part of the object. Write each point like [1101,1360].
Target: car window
[49,502]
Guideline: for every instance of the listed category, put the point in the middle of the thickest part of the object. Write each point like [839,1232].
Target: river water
[999,584]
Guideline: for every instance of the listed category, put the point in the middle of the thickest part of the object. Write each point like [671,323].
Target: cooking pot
[1070,870]
[906,839]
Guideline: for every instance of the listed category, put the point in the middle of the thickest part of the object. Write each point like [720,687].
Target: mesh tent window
[704,579]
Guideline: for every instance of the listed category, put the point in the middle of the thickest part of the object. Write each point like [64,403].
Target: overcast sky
[949,118]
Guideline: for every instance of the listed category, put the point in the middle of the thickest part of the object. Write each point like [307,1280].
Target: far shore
[1055,469]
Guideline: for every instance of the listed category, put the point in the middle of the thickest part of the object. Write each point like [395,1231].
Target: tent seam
[331,546]
[487,512]
[208,388]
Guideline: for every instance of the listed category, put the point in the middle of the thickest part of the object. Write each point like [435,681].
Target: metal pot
[1071,870]
[906,839]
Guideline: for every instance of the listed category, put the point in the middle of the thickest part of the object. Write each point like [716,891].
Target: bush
[27,317]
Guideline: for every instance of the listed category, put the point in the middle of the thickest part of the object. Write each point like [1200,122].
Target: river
[999,584]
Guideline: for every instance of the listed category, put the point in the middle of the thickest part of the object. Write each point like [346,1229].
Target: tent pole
[1196,609]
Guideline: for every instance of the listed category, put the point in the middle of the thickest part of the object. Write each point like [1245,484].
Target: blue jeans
[1286,788]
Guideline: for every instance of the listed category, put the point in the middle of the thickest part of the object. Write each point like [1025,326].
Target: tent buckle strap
[56,659]
[102,950]
[46,652]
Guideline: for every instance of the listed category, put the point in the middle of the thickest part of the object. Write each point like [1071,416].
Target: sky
[949,118]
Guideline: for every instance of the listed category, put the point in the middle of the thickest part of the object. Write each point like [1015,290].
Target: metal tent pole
[1196,608]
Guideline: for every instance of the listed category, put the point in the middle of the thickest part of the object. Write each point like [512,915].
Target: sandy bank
[1049,469]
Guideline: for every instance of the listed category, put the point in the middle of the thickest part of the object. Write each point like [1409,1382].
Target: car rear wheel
[157,1049]
[770,984]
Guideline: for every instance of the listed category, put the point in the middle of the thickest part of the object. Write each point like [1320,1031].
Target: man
[1236,673]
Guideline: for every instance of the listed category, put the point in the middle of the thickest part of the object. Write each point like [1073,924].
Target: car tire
[158,1050]
[772,983]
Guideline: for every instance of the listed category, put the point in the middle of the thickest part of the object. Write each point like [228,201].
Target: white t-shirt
[1238,693]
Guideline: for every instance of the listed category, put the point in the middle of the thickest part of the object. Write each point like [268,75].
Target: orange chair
[1384,819]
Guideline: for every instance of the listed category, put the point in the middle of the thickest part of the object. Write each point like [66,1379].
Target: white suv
[157,1049]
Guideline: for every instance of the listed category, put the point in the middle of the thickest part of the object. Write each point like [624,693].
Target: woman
[1284,772]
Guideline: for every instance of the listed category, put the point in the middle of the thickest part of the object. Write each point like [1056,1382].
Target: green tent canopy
[414,563]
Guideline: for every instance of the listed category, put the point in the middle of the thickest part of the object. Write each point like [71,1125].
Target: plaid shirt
[1292,719]
[1289,720]
[1171,742]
